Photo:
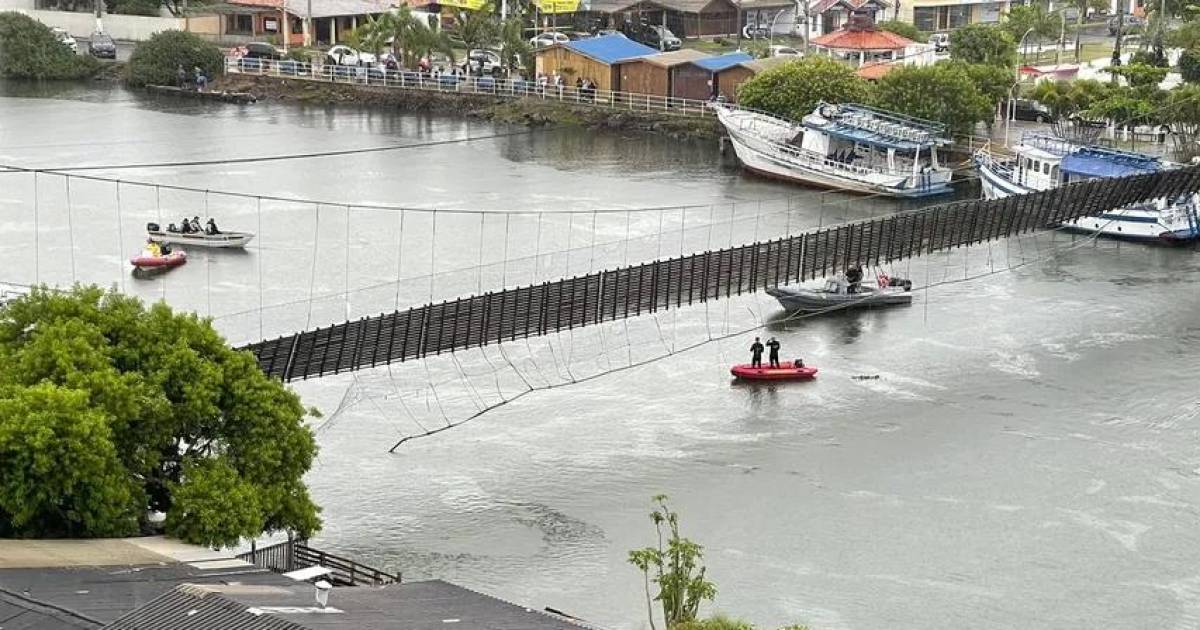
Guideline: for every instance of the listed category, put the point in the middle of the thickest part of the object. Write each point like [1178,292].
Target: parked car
[65,38]
[1026,109]
[548,38]
[783,51]
[1132,24]
[940,42]
[346,56]
[655,36]
[482,62]
[262,50]
[101,45]
[753,31]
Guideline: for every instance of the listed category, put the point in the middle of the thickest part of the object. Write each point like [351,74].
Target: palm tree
[1082,6]
[410,38]
[1031,19]
[478,29]
[514,48]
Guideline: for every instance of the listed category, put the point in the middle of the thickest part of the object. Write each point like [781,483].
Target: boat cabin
[858,135]
[1044,162]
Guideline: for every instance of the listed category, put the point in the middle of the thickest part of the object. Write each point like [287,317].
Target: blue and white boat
[846,147]
[1042,162]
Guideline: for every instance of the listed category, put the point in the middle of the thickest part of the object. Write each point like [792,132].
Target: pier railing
[373,76]
[293,555]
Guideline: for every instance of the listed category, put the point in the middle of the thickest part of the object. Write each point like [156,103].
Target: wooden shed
[728,80]
[596,58]
[654,74]
[698,79]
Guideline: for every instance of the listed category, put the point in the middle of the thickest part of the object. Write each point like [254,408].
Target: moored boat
[844,147]
[1042,162]
[835,296]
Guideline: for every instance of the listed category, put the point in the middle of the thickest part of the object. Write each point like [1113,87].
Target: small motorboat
[835,295]
[199,239]
[783,373]
[149,259]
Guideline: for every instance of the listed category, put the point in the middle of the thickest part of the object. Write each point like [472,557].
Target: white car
[482,61]
[783,51]
[346,56]
[549,39]
[65,39]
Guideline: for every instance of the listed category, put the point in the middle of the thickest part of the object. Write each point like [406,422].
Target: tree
[993,82]
[1186,36]
[515,51]
[1081,9]
[28,50]
[1189,65]
[983,43]
[1140,76]
[178,423]
[676,569]
[157,60]
[1033,19]
[1182,113]
[1065,99]
[959,104]
[411,38]
[133,7]
[478,29]
[1124,106]
[793,89]
[903,29]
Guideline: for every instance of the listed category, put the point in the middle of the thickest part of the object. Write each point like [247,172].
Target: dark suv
[655,36]
[101,45]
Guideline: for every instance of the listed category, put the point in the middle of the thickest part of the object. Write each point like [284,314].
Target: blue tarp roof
[863,136]
[610,49]
[719,63]
[1091,162]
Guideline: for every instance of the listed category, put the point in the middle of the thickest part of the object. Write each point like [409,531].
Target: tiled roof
[332,8]
[728,60]
[610,49]
[875,71]
[865,40]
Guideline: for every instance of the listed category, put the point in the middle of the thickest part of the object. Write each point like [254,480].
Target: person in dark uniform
[756,350]
[773,356]
[854,276]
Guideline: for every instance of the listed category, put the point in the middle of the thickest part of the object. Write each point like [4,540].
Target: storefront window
[959,15]
[925,18]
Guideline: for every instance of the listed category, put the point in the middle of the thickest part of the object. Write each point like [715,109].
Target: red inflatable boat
[146,260]
[784,373]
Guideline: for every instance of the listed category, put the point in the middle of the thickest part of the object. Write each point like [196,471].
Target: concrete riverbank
[529,111]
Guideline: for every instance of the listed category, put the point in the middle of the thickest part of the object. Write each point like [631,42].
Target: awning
[561,6]
[1102,163]
[862,136]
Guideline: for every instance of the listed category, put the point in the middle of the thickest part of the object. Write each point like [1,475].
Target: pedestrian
[756,350]
[773,355]
[201,80]
[181,77]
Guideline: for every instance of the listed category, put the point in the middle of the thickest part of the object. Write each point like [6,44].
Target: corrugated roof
[192,607]
[875,71]
[610,49]
[760,65]
[674,58]
[332,8]
[1098,162]
[728,60]
[865,40]
[684,6]
[264,4]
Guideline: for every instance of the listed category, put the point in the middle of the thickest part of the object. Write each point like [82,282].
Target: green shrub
[1189,65]
[134,7]
[903,29]
[793,89]
[28,50]
[156,60]
[715,622]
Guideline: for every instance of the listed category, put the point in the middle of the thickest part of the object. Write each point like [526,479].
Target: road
[124,49]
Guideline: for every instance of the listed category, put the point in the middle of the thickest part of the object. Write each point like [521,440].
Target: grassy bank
[531,112]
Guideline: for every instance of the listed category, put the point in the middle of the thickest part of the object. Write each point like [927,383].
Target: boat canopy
[867,125]
[1100,162]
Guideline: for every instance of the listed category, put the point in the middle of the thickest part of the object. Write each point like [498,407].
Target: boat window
[1045,168]
[1054,172]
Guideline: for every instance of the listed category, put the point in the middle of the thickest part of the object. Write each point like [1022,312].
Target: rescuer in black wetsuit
[854,276]
[773,355]
[756,350]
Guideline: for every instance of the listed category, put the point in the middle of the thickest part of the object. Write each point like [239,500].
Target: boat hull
[1144,223]
[143,262]
[810,301]
[227,240]
[747,372]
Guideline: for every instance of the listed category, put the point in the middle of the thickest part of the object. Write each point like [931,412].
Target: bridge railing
[373,76]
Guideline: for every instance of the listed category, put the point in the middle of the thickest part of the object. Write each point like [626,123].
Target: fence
[372,76]
[627,292]
[292,555]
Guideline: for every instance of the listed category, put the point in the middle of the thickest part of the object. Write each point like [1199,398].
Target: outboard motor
[152,227]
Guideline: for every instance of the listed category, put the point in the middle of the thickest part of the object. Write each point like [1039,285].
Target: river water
[1026,456]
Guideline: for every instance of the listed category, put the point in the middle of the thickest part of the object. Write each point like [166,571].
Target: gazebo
[862,41]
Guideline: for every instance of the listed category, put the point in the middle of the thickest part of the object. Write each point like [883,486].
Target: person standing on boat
[854,276]
[185,227]
[756,350]
[212,226]
[773,357]
[196,225]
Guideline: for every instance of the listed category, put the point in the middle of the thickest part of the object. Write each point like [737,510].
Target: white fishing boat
[1043,162]
[845,147]
[199,239]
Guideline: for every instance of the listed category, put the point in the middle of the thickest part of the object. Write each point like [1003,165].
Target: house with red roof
[860,42]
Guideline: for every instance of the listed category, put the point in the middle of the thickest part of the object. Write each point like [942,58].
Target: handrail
[370,76]
[291,555]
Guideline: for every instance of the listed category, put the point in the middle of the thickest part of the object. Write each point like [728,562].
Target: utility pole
[309,35]
[1116,56]
[99,6]
[802,10]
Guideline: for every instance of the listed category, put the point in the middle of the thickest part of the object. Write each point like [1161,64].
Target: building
[595,58]
[861,41]
[943,15]
[684,18]
[655,74]
[155,583]
[290,23]
[784,17]
[712,68]
[729,78]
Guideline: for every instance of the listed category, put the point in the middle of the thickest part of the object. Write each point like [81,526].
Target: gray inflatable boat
[834,296]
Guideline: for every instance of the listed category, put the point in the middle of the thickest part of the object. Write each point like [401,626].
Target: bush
[1147,58]
[983,43]
[903,29]
[794,89]
[157,60]
[716,622]
[1189,65]
[134,7]
[28,50]
[959,104]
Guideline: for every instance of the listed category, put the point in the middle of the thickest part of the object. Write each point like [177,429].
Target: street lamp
[771,29]
[1010,110]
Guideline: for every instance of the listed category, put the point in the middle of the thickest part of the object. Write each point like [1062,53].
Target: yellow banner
[470,5]
[559,6]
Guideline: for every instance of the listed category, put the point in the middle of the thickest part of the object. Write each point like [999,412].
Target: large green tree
[903,29]
[478,29]
[28,50]
[794,89]
[983,43]
[1182,113]
[1033,22]
[144,410]
[157,60]
[959,103]
[410,38]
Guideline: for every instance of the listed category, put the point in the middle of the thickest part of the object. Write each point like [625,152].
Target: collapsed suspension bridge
[608,295]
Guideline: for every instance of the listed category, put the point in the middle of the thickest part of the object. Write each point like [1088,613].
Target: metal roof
[719,63]
[192,607]
[610,49]
[867,125]
[1100,162]
[674,58]
[332,8]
